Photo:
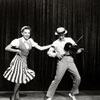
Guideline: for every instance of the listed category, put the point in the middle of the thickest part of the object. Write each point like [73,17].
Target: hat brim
[56,33]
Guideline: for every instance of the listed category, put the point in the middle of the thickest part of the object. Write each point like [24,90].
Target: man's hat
[60,31]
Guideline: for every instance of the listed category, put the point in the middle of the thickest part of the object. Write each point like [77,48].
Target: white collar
[23,40]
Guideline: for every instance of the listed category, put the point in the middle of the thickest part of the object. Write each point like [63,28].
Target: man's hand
[80,50]
[59,56]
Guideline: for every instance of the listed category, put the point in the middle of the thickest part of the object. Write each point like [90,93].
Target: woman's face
[26,34]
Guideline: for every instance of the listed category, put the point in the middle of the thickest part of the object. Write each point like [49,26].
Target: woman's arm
[51,52]
[42,47]
[11,49]
[37,46]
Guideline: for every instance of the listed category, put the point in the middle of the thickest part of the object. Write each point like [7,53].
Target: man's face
[61,36]
[26,34]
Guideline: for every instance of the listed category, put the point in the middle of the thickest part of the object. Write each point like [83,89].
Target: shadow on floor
[60,95]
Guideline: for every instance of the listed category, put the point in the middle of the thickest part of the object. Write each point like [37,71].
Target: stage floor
[60,95]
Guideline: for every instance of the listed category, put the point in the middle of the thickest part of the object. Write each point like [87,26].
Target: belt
[64,56]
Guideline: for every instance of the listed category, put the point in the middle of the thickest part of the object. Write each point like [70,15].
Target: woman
[18,72]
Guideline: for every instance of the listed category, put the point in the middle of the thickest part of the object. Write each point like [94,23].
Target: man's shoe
[72,96]
[49,98]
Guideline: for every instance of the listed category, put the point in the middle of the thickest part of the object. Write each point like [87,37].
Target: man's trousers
[66,63]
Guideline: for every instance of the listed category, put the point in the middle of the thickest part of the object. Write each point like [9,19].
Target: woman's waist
[22,57]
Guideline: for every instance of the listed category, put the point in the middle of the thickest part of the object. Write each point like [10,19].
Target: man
[65,62]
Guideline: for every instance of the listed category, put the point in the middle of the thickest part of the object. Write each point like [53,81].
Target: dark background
[79,17]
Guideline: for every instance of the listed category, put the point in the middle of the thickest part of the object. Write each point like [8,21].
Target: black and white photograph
[49,49]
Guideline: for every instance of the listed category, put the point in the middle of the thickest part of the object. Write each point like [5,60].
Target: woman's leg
[16,92]
[17,95]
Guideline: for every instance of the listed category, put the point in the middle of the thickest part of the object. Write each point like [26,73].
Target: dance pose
[65,62]
[18,72]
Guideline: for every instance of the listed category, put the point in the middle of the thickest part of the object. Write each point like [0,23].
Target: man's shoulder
[68,39]
[55,42]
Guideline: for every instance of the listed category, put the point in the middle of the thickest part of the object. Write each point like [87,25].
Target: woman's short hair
[25,27]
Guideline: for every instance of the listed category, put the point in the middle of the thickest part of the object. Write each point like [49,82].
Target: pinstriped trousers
[66,63]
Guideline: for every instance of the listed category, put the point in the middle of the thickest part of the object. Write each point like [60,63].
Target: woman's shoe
[18,99]
[12,98]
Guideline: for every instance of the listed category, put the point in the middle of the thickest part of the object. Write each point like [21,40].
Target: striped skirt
[18,72]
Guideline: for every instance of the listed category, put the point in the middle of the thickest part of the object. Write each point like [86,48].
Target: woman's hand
[19,51]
